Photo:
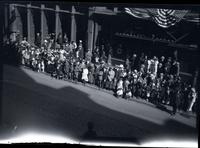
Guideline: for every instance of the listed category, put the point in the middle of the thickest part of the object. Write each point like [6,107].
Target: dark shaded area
[163,108]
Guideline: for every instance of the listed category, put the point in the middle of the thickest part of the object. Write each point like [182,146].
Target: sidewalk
[166,108]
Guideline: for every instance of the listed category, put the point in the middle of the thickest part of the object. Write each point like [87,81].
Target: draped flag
[162,17]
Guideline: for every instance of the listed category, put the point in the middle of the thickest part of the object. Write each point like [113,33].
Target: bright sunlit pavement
[32,137]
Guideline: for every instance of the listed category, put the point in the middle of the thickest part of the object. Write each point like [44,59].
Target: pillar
[90,31]
[96,31]
[44,26]
[42,23]
[73,25]
[58,27]
[29,23]
[12,21]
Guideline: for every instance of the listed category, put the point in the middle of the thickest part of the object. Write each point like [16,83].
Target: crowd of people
[154,79]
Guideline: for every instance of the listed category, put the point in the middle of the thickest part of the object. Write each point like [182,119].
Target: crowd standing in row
[156,80]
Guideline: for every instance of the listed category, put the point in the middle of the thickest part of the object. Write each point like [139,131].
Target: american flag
[162,17]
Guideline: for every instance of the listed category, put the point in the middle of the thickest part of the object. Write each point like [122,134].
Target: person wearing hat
[105,77]
[133,63]
[65,38]
[127,64]
[162,60]
[59,39]
[38,40]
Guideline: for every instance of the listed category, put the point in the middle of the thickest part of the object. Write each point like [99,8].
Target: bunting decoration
[162,17]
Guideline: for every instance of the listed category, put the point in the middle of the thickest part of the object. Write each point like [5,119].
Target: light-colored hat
[121,66]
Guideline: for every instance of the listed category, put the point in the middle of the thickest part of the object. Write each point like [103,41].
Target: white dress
[85,74]
[120,88]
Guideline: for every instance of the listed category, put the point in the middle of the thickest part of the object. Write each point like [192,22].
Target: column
[42,23]
[44,26]
[12,21]
[90,30]
[28,23]
[58,27]
[73,25]
[96,31]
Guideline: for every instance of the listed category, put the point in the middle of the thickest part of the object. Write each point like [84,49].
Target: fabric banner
[162,17]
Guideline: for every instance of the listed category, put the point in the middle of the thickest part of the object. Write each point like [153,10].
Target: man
[71,70]
[111,75]
[65,38]
[126,84]
[175,100]
[96,55]
[105,77]
[127,64]
[100,78]
[88,56]
[168,66]
[38,40]
[59,39]
[109,61]
[24,42]
[81,50]
[91,73]
[160,69]
[133,67]
[77,71]
[59,70]
[66,69]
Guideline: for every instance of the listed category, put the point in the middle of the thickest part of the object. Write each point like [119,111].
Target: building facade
[96,25]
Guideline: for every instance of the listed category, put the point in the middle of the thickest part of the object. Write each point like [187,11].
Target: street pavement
[35,102]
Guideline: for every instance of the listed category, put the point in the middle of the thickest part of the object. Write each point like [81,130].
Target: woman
[119,92]
[85,75]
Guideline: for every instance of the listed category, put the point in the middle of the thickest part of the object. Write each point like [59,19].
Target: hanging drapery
[162,17]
